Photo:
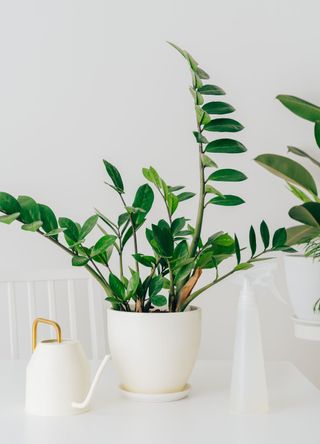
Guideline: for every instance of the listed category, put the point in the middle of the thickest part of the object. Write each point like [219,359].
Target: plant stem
[134,233]
[199,220]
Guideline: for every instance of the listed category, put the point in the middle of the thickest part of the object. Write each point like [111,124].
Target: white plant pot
[154,353]
[303,281]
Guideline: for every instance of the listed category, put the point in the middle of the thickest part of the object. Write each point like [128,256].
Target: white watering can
[58,376]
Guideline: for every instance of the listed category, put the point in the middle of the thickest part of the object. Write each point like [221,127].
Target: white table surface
[203,417]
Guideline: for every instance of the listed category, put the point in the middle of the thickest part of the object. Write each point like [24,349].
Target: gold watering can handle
[44,321]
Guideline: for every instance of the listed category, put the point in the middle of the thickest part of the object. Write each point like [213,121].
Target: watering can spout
[86,401]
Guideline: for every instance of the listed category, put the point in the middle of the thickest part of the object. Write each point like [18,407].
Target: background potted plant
[302,270]
[155,353]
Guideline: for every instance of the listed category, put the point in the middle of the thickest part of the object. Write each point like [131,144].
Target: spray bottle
[249,394]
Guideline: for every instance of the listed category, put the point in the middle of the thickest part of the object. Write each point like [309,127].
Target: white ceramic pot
[154,353]
[303,281]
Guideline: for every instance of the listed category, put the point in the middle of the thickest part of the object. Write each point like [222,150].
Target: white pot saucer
[306,329]
[159,397]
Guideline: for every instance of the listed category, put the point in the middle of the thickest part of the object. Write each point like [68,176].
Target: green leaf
[301,234]
[156,285]
[182,51]
[301,153]
[158,300]
[209,189]
[211,90]
[9,218]
[133,285]
[123,218]
[114,176]
[288,170]
[317,133]
[71,229]
[197,97]
[181,251]
[265,234]
[307,213]
[279,238]
[202,74]
[79,261]
[299,193]
[227,200]
[147,261]
[207,162]
[252,240]
[243,266]
[143,199]
[218,108]
[55,232]
[227,175]
[8,204]
[185,196]
[49,220]
[117,286]
[300,107]
[164,240]
[228,146]
[177,225]
[30,211]
[33,226]
[88,226]
[237,249]
[224,125]
[103,244]
[173,202]
[202,116]
[175,188]
[199,137]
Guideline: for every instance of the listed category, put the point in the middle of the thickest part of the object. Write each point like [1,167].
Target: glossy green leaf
[279,238]
[265,234]
[156,285]
[163,239]
[103,244]
[29,210]
[227,175]
[288,170]
[300,107]
[32,226]
[317,133]
[211,90]
[227,200]
[207,162]
[114,176]
[133,285]
[8,204]
[71,229]
[307,213]
[117,286]
[185,196]
[9,218]
[147,261]
[177,225]
[55,232]
[79,261]
[252,241]
[243,266]
[301,153]
[218,108]
[143,199]
[299,193]
[49,220]
[199,137]
[227,146]
[158,300]
[209,189]
[224,125]
[181,251]
[88,226]
[202,74]
[237,249]
[301,234]
[173,202]
[197,97]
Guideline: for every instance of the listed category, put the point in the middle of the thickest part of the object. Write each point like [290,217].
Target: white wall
[86,80]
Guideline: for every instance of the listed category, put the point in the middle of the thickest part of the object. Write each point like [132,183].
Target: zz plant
[299,180]
[163,279]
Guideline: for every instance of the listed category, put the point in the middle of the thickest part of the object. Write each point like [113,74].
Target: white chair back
[70,297]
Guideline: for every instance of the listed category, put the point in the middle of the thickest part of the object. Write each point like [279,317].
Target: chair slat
[52,305]
[93,321]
